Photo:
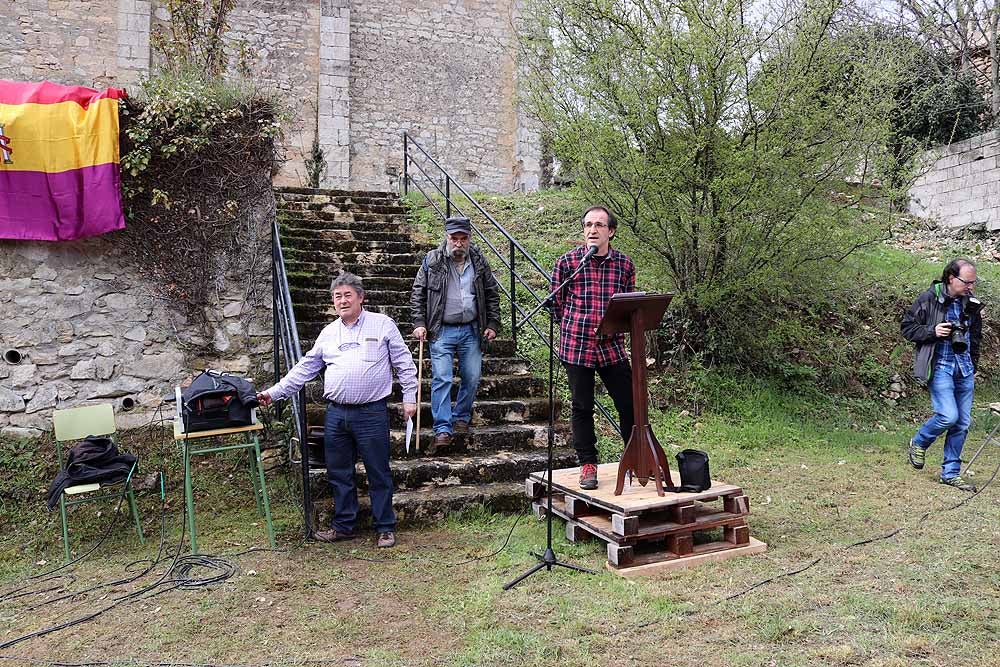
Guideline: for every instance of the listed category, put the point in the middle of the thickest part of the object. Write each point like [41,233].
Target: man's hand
[489,334]
[264,399]
[942,330]
[409,409]
[420,333]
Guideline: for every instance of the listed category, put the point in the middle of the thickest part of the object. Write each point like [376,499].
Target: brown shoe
[386,540]
[460,428]
[439,444]
[332,535]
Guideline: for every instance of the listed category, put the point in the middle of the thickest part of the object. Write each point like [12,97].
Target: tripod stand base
[547,561]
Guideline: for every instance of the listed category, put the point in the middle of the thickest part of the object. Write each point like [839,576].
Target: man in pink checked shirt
[359,352]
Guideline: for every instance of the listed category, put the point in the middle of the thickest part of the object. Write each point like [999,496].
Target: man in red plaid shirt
[579,308]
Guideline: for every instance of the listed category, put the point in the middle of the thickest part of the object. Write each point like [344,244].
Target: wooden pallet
[646,532]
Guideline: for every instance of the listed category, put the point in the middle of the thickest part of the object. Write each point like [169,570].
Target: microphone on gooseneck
[591,250]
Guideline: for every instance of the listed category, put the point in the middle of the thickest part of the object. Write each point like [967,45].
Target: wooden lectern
[643,457]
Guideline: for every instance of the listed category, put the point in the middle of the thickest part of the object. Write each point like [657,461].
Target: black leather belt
[356,405]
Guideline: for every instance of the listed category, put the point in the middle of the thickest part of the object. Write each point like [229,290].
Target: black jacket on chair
[92,460]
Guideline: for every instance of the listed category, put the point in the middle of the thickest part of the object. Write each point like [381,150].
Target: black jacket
[430,289]
[208,402]
[918,325]
[95,459]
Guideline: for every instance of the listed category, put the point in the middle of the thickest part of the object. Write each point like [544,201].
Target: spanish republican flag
[59,175]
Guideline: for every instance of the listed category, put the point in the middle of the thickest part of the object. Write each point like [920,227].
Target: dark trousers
[618,381]
[353,430]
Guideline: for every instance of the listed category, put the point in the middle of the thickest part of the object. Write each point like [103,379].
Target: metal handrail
[288,349]
[508,262]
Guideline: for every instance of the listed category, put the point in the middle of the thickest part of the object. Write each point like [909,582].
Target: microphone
[591,251]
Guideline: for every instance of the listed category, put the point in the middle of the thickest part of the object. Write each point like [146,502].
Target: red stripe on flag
[40,206]
[18,92]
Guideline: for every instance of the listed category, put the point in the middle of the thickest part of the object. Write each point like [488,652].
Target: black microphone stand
[548,560]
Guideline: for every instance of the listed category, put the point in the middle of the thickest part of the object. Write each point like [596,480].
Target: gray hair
[348,279]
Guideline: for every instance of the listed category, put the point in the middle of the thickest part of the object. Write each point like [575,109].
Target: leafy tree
[194,38]
[718,129]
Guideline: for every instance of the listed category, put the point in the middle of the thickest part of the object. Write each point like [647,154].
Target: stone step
[430,472]
[292,235]
[493,364]
[485,413]
[491,387]
[331,269]
[343,247]
[321,283]
[432,504]
[373,297]
[295,192]
[331,206]
[326,218]
[312,319]
[498,347]
[362,222]
[291,201]
[304,253]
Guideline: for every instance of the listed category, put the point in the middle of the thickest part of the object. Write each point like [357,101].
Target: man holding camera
[945,324]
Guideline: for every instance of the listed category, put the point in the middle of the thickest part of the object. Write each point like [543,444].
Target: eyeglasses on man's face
[970,283]
[594,225]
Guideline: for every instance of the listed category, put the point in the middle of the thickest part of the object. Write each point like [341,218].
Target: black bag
[693,465]
[215,400]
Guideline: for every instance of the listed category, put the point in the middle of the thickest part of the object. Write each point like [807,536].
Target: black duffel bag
[215,400]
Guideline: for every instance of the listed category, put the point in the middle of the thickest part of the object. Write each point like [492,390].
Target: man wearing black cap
[455,304]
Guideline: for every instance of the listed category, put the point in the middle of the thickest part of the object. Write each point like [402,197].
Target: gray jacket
[918,325]
[430,288]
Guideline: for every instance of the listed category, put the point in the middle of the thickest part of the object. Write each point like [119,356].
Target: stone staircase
[367,233]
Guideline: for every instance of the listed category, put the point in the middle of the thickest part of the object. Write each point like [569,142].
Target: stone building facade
[355,73]
[79,324]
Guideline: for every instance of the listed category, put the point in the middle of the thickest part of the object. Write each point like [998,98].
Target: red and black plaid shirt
[581,305]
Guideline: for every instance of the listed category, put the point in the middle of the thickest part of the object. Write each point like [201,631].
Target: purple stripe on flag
[42,206]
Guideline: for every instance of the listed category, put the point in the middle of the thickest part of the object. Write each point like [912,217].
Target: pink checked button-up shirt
[358,359]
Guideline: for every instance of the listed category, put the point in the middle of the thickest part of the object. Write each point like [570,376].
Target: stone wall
[282,41]
[960,185]
[90,329]
[355,72]
[446,72]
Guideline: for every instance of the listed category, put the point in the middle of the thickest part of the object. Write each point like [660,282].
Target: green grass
[821,476]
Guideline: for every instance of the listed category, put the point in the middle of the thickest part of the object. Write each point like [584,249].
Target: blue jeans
[463,340]
[352,430]
[951,398]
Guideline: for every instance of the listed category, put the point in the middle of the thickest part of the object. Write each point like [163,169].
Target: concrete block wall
[960,184]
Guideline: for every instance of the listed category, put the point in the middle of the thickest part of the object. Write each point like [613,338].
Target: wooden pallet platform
[646,532]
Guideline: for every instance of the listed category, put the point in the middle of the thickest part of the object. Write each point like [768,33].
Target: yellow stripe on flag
[58,137]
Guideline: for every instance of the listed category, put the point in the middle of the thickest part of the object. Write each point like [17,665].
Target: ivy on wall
[199,149]
[198,155]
